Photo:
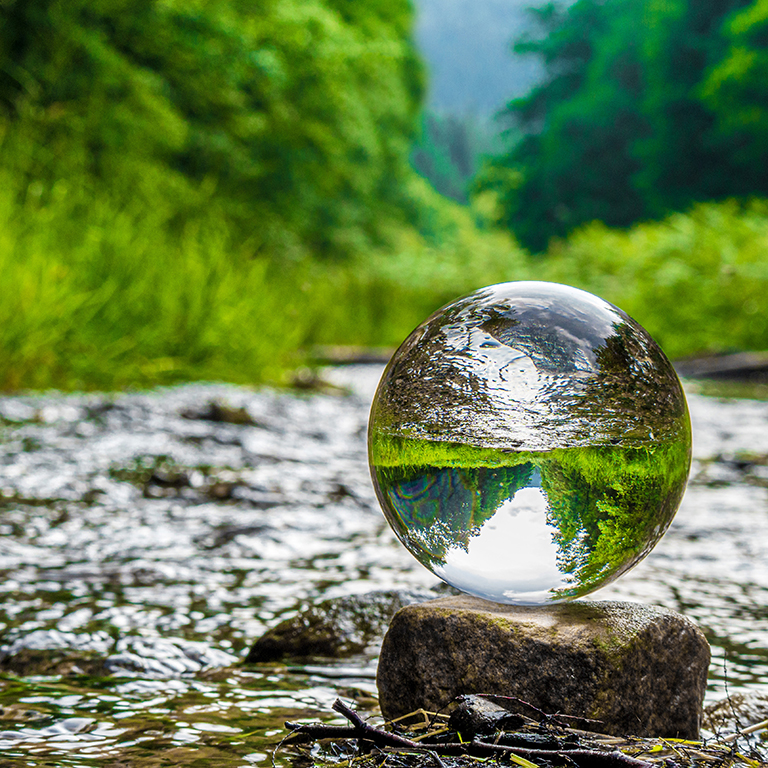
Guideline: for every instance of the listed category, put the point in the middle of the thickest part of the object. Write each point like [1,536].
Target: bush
[696,281]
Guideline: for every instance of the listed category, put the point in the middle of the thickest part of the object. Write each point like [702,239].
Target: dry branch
[582,758]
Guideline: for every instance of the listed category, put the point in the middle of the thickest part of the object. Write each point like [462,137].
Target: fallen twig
[583,758]
[322,731]
[761,726]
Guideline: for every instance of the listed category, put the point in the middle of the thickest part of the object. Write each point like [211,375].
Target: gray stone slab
[638,669]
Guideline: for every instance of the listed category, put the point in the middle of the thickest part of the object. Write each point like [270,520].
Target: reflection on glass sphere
[529,443]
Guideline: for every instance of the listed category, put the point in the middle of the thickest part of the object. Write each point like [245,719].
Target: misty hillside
[466,44]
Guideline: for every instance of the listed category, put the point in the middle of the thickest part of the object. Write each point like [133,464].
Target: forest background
[210,189]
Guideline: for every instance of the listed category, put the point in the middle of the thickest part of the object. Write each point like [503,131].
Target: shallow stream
[149,538]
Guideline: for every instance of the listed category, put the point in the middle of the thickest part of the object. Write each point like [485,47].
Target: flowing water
[149,538]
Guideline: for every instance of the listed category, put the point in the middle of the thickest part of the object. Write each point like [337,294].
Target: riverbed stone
[334,628]
[635,668]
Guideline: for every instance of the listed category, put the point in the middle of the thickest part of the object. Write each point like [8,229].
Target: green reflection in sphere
[529,443]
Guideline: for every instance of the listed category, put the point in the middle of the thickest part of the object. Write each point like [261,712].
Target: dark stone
[478,716]
[635,668]
[13,713]
[221,413]
[335,628]
[54,662]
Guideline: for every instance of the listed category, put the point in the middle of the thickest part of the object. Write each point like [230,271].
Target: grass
[696,281]
[114,299]
[100,293]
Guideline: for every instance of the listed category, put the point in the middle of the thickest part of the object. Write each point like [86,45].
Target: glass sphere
[529,443]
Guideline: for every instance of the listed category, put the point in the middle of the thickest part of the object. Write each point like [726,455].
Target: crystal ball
[529,443]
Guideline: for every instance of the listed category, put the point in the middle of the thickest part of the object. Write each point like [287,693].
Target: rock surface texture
[638,669]
[335,628]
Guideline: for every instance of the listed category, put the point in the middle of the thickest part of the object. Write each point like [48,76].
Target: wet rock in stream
[335,628]
[737,712]
[634,668]
[222,413]
[54,662]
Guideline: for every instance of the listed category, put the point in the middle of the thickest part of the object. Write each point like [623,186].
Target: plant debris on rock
[504,730]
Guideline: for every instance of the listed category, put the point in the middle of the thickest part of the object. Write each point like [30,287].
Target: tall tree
[618,131]
[737,91]
[300,113]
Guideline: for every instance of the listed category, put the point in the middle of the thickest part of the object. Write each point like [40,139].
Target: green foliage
[388,450]
[619,131]
[150,150]
[696,281]
[299,113]
[115,300]
[100,293]
[736,89]
[610,505]
[436,509]
[606,505]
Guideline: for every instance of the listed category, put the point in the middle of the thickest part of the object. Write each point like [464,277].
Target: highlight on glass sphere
[529,443]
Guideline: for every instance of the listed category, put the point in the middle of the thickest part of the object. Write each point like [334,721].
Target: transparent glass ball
[529,443]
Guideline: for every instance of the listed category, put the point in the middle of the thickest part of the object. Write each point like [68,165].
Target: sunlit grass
[697,281]
[110,299]
[101,294]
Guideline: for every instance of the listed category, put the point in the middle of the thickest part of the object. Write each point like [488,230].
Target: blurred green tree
[618,131]
[445,154]
[737,91]
[296,115]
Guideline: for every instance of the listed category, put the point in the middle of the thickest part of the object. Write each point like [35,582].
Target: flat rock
[637,669]
[478,716]
[333,628]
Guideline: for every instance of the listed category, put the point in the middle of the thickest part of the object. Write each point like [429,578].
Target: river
[148,538]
